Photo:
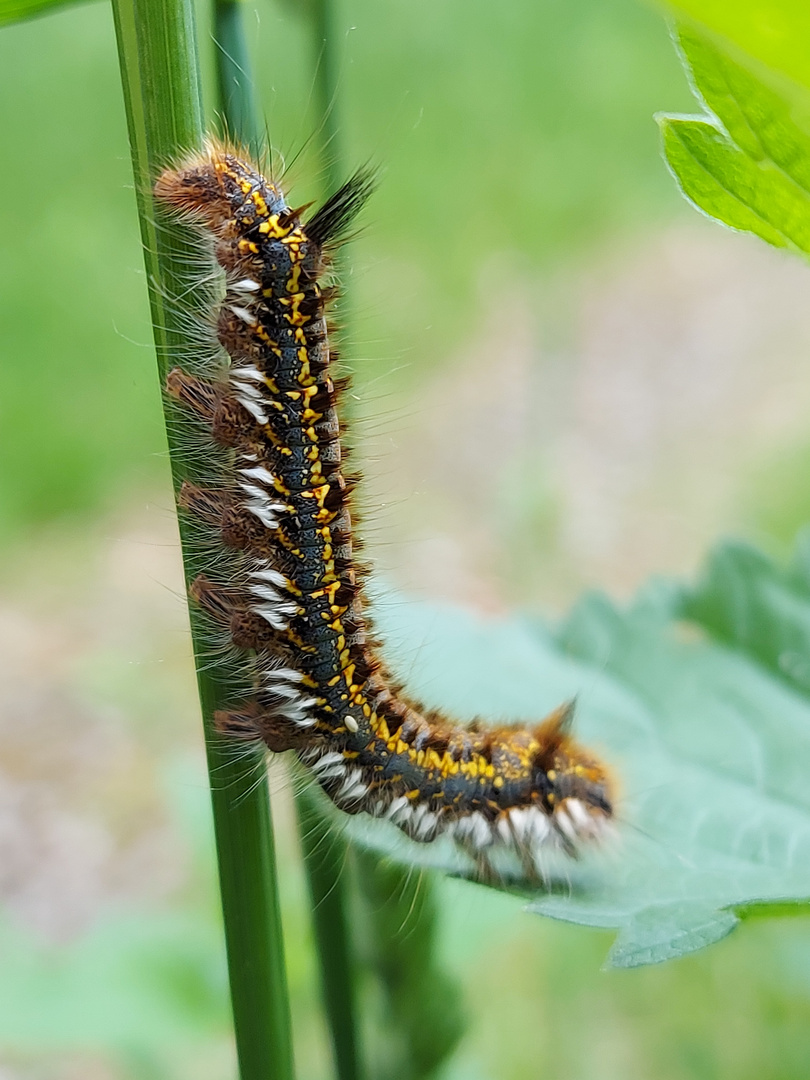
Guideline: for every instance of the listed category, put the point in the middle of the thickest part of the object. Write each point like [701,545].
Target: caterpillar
[293,602]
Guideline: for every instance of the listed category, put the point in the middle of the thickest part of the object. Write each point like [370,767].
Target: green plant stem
[157,51]
[326,90]
[323,850]
[328,874]
[236,99]
[424,1015]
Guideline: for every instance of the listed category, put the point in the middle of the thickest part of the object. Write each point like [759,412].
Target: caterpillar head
[215,187]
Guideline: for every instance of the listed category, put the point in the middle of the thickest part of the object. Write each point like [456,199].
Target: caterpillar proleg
[295,602]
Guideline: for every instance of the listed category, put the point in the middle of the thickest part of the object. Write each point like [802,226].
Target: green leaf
[710,740]
[12,11]
[759,608]
[667,931]
[775,32]
[746,163]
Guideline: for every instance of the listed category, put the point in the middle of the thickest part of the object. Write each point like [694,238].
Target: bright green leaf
[747,162]
[12,11]
[762,122]
[776,32]
[725,184]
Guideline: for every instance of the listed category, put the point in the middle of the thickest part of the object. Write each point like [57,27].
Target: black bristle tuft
[330,223]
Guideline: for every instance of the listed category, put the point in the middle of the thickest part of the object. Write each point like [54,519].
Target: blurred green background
[564,378]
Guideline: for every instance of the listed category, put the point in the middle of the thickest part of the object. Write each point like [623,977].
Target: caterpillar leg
[249,724]
[200,395]
[217,507]
[232,416]
[231,609]
[484,870]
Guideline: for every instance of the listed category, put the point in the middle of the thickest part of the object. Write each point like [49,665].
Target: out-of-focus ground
[665,405]
[537,415]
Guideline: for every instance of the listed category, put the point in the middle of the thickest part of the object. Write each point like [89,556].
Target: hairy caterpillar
[294,600]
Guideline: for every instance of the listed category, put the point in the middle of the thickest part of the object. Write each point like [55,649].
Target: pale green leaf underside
[747,161]
[709,737]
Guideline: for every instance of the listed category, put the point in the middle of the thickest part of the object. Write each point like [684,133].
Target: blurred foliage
[562,152]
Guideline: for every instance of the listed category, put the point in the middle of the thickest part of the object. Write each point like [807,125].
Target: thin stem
[424,1018]
[236,98]
[328,875]
[323,850]
[326,88]
[157,52]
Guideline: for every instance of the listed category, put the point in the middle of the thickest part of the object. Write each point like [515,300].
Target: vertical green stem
[424,1015]
[328,874]
[422,1018]
[157,51]
[323,850]
[326,87]
[236,99]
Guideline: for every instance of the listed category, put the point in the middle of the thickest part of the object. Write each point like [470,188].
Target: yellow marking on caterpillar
[260,204]
[293,281]
[432,758]
[272,229]
[287,543]
[275,440]
[380,728]
[304,375]
[265,338]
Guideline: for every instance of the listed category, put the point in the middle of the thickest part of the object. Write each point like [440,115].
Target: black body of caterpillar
[295,601]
